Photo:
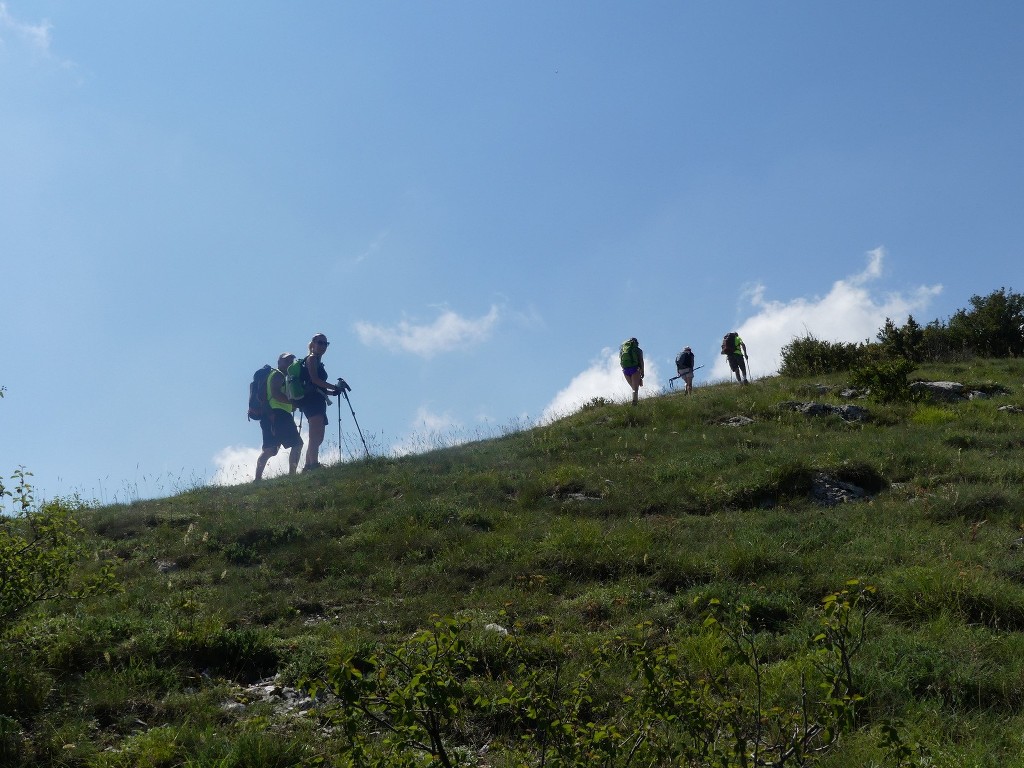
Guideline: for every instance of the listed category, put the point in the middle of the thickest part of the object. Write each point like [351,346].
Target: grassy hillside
[572,557]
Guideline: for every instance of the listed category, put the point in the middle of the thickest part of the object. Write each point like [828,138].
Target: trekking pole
[339,428]
[344,388]
[672,386]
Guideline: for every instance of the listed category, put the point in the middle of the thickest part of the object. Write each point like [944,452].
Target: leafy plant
[411,694]
[667,709]
[41,551]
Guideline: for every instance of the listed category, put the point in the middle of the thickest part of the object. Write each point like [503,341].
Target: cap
[285,357]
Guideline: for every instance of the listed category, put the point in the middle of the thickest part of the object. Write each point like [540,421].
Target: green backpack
[628,357]
[295,380]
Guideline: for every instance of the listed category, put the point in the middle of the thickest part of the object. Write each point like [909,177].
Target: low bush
[886,381]
[810,356]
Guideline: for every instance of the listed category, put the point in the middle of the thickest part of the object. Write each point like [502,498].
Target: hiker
[735,352]
[684,368]
[277,423]
[631,358]
[314,403]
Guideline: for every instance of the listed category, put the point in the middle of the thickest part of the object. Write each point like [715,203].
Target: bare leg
[636,381]
[316,437]
[293,459]
[261,462]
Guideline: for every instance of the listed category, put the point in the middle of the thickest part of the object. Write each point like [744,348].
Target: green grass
[568,535]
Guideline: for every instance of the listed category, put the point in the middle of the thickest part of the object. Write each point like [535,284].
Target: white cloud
[36,36]
[602,379]
[448,332]
[848,313]
[237,464]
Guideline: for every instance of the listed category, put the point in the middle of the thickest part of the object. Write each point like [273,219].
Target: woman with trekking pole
[314,403]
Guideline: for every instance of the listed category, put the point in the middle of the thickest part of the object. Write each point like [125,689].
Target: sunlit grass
[565,532]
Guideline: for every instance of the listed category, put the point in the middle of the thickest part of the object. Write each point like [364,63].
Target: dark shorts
[736,363]
[314,404]
[627,372]
[279,429]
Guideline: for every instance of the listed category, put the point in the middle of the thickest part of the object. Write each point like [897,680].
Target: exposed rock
[284,699]
[1010,409]
[496,628]
[850,393]
[846,412]
[737,421]
[574,496]
[830,491]
[953,391]
[944,391]
[166,566]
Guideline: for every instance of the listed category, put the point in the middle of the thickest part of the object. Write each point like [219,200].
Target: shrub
[887,380]
[903,342]
[994,326]
[40,553]
[413,704]
[809,356]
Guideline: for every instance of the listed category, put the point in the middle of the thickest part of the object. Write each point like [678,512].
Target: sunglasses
[322,341]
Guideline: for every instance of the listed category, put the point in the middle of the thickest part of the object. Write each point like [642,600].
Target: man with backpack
[735,352]
[684,368]
[631,358]
[276,420]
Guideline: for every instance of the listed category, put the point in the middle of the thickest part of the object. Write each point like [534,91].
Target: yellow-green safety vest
[283,405]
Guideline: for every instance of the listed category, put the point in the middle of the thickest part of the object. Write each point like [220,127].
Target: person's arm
[314,376]
[640,356]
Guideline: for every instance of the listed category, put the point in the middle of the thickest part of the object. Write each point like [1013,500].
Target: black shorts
[279,429]
[314,404]
[736,363]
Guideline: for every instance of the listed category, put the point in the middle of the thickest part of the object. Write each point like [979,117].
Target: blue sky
[476,202]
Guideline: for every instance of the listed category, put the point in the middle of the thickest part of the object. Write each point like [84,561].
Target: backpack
[295,380]
[628,357]
[729,343]
[258,403]
[685,360]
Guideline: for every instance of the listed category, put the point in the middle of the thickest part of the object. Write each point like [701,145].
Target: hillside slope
[549,543]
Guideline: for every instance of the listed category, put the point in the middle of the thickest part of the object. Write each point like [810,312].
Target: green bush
[903,342]
[994,326]
[809,356]
[886,381]
[41,553]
